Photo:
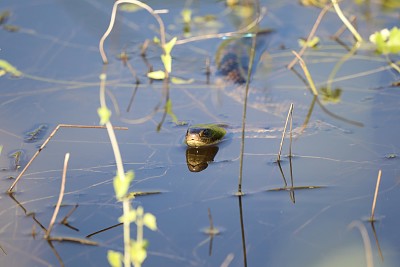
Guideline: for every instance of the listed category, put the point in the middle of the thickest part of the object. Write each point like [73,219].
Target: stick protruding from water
[378,181]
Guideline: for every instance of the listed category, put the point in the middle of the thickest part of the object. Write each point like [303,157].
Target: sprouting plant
[312,43]
[138,247]
[6,67]
[386,42]
[166,60]
[134,250]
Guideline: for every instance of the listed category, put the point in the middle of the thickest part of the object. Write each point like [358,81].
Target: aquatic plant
[386,42]
[134,250]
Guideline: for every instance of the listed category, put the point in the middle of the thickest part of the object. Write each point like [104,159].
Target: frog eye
[205,132]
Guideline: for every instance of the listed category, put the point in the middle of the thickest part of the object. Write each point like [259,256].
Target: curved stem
[346,21]
[120,171]
[112,21]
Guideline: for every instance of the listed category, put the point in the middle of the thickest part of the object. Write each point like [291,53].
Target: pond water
[346,141]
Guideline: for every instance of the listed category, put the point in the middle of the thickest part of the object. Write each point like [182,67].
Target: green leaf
[121,186]
[394,41]
[139,211]
[138,252]
[1,149]
[386,41]
[156,75]
[114,258]
[156,40]
[168,109]
[149,220]
[176,80]
[167,61]
[130,175]
[168,46]
[7,67]
[186,15]
[104,114]
[312,43]
[130,217]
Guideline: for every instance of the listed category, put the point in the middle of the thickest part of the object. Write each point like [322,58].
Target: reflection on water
[198,158]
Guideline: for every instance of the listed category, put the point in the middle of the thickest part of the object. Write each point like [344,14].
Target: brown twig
[65,219]
[48,140]
[60,197]
[103,230]
[343,28]
[73,239]
[310,35]
[284,132]
[378,181]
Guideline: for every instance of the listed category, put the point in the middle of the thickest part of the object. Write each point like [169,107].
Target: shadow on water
[341,137]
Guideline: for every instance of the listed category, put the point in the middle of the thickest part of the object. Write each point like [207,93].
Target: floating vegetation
[6,67]
[391,156]
[291,188]
[4,16]
[330,96]
[11,28]
[36,134]
[16,158]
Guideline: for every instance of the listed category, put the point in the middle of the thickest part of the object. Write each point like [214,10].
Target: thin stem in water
[60,197]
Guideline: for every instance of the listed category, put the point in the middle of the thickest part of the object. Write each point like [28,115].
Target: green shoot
[6,67]
[138,247]
[186,15]
[168,109]
[156,75]
[311,44]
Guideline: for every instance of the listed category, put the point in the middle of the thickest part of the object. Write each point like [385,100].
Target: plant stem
[112,20]
[346,21]
[378,182]
[60,197]
[120,172]
[306,73]
[251,61]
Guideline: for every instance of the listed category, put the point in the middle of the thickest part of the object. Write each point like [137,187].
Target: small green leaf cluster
[138,248]
[167,61]
[121,184]
[6,67]
[311,44]
[387,42]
